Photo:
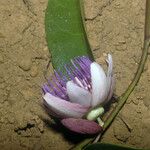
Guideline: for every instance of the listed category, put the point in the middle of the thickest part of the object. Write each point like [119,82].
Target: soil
[113,26]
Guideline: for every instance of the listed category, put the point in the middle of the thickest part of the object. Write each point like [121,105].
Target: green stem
[123,98]
[100,122]
[83,144]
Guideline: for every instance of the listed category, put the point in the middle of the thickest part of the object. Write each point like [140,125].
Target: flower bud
[95,113]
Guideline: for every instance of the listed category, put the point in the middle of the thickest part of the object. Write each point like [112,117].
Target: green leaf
[104,146]
[65,32]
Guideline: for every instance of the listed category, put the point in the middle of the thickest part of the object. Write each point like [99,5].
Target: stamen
[79,82]
[78,71]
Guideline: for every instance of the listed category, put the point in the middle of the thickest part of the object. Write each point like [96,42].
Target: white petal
[110,78]
[99,84]
[110,66]
[78,94]
[62,108]
[111,90]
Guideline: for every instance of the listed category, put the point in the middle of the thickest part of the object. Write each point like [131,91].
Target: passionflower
[78,97]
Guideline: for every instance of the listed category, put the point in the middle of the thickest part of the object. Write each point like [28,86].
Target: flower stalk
[100,122]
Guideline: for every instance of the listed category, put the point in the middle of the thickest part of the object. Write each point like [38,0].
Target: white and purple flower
[75,98]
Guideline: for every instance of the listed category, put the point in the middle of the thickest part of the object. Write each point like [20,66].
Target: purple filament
[78,71]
